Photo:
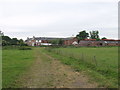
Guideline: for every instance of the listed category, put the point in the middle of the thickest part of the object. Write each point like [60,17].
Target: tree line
[6,40]
[81,36]
[91,35]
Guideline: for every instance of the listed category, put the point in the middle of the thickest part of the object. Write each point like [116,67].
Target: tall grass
[102,60]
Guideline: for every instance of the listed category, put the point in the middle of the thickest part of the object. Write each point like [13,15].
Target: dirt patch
[47,72]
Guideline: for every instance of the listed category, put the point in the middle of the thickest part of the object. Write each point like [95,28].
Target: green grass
[14,63]
[100,64]
[102,69]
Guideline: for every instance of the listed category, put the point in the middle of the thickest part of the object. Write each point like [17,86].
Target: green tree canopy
[104,38]
[82,35]
[6,40]
[57,42]
[14,41]
[60,42]
[21,42]
[94,34]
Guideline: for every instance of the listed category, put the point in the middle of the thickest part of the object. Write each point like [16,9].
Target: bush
[25,48]
[13,47]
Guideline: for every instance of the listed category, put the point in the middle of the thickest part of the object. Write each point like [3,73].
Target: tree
[4,43]
[14,41]
[82,35]
[6,40]
[97,39]
[21,42]
[94,34]
[57,42]
[60,42]
[104,38]
[1,33]
[54,42]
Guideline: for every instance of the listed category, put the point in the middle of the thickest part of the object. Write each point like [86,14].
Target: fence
[91,61]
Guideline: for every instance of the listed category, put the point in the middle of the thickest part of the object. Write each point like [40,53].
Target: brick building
[104,42]
[111,42]
[71,41]
[37,41]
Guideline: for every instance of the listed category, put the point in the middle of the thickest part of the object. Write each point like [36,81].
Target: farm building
[104,42]
[111,42]
[91,42]
[71,41]
[37,41]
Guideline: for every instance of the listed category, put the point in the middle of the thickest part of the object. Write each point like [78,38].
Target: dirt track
[47,72]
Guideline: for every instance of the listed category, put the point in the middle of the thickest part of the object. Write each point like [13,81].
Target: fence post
[94,58]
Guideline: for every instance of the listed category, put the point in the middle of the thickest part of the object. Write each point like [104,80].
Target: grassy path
[47,72]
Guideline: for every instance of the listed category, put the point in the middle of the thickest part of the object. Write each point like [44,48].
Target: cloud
[18,21]
[59,1]
[58,17]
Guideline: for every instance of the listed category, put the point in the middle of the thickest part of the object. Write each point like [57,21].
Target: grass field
[101,64]
[14,63]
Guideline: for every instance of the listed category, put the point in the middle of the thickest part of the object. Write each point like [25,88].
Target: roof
[102,40]
[109,40]
[47,38]
[90,39]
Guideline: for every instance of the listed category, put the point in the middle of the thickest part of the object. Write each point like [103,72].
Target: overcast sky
[58,18]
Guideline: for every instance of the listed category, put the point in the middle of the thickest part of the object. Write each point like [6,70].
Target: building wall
[111,44]
[31,42]
[70,41]
[99,43]
[37,42]
[91,43]
[87,42]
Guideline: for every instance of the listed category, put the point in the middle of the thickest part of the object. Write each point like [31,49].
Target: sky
[58,18]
